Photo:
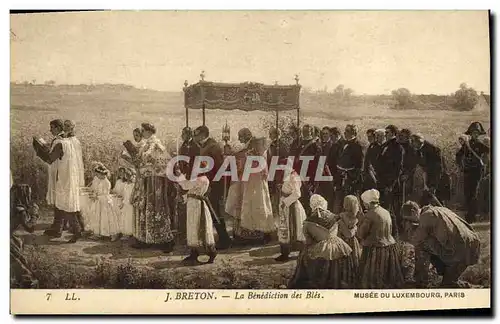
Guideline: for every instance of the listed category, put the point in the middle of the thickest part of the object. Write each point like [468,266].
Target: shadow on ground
[266,261]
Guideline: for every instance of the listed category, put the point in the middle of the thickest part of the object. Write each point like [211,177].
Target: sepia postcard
[250,162]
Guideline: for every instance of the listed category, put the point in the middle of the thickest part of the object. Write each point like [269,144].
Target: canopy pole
[185,104]
[298,101]
[202,76]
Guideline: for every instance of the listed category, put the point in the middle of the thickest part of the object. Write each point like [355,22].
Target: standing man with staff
[470,159]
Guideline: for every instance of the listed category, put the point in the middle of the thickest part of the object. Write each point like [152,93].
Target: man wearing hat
[390,163]
[470,159]
[440,238]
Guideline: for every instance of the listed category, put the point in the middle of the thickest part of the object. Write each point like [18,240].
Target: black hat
[475,126]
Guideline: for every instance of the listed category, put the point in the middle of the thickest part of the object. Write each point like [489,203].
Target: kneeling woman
[199,225]
[325,261]
[380,264]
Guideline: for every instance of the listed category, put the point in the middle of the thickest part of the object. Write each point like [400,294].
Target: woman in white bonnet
[380,265]
[324,263]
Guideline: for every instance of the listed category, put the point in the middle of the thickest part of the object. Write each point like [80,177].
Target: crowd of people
[345,229]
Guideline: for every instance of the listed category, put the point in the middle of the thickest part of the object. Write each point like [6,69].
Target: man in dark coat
[325,188]
[294,135]
[430,159]
[310,148]
[371,156]
[332,160]
[210,147]
[350,164]
[278,148]
[471,160]
[188,148]
[391,167]
[409,164]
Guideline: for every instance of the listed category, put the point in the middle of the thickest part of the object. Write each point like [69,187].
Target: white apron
[196,238]
[291,230]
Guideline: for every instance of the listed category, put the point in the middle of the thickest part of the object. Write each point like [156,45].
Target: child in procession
[119,184]
[199,224]
[291,215]
[127,209]
[105,215]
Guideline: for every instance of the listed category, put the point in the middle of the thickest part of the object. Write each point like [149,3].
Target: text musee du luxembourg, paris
[406,294]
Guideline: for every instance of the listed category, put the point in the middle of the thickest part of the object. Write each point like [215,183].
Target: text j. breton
[241,295]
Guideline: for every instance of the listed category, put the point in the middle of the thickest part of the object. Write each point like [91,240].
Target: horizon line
[180,90]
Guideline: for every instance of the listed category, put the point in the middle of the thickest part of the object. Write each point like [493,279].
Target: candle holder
[226,133]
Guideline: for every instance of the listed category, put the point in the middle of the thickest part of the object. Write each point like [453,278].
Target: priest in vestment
[255,222]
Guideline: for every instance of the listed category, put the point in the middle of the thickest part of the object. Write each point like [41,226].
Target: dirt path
[256,262]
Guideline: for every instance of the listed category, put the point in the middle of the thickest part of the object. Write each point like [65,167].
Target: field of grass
[105,118]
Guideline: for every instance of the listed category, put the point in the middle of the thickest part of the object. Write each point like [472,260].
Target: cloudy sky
[371,52]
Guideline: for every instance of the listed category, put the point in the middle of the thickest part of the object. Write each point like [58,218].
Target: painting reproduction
[249,162]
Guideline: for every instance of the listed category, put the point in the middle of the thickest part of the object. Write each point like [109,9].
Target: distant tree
[338,92]
[348,92]
[26,83]
[50,83]
[403,97]
[466,98]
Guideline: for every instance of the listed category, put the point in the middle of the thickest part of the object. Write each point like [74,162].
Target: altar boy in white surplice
[199,225]
[67,190]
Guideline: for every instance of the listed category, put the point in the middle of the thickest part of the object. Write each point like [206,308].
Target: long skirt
[105,217]
[322,273]
[355,255]
[152,211]
[380,268]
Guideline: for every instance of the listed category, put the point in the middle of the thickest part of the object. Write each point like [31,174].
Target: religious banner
[244,96]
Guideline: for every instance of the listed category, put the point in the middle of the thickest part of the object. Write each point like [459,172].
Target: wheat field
[106,116]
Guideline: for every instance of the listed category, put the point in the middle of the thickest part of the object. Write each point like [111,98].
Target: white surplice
[77,146]
[291,230]
[52,176]
[67,188]
[196,239]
